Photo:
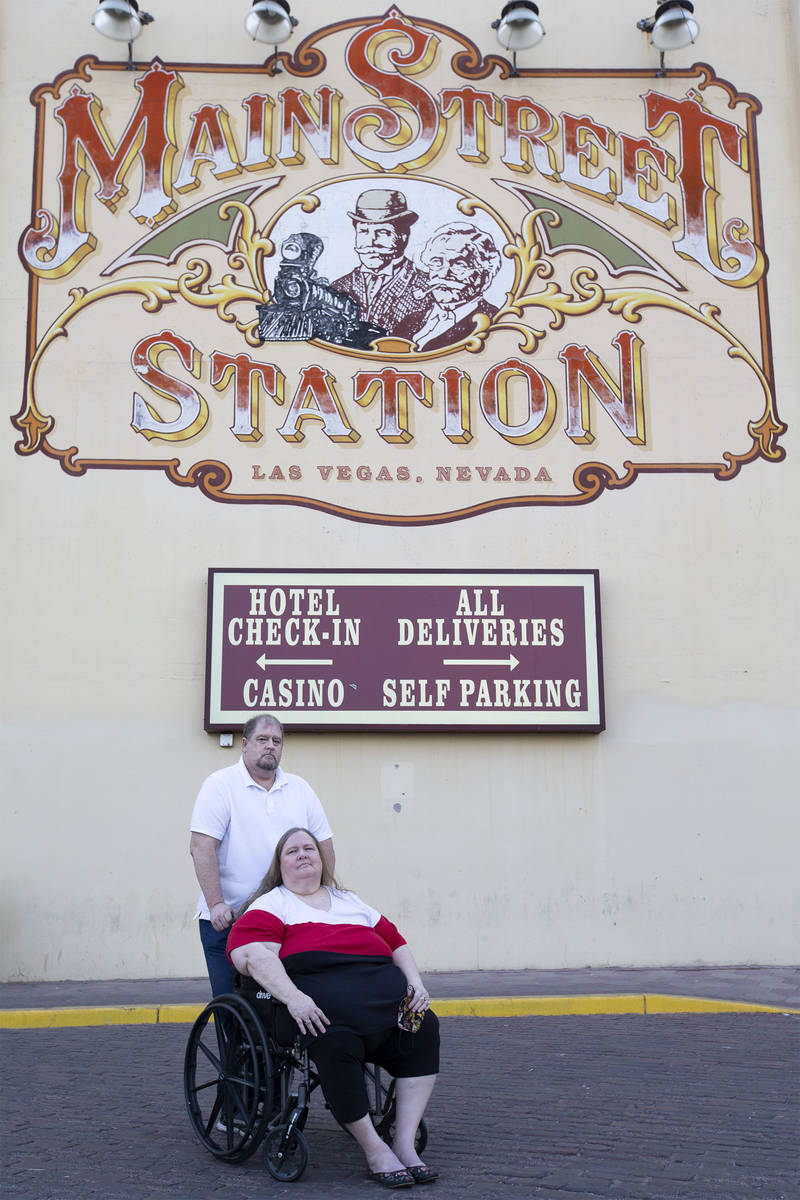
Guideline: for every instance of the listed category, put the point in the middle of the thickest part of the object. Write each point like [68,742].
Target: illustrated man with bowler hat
[384,283]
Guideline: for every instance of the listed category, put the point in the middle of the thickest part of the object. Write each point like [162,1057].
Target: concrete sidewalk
[461,993]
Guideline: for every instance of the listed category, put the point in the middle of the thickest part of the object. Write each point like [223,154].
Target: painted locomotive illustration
[306,306]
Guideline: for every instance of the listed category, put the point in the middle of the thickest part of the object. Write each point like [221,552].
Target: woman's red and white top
[342,957]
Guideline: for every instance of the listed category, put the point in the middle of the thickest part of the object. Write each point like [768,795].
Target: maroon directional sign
[405,650]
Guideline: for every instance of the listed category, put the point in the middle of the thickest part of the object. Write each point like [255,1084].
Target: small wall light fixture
[122,21]
[673,27]
[270,21]
[518,28]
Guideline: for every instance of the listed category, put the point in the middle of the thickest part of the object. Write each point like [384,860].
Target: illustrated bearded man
[461,261]
[385,282]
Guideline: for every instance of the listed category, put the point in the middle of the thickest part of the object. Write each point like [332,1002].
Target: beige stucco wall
[670,838]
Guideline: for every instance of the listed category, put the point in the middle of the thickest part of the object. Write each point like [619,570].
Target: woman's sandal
[393,1179]
[422,1174]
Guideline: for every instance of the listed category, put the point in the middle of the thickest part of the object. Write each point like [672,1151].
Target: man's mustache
[424,289]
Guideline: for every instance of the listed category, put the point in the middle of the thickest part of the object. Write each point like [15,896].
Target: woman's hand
[418,996]
[260,961]
[309,1016]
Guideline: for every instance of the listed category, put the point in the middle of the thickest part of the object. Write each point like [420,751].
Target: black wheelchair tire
[227,1079]
[292,1164]
[385,1128]
[383,1107]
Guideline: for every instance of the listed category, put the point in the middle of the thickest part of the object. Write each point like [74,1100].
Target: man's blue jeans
[220,971]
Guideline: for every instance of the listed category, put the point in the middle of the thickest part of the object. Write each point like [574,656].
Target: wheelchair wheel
[386,1130]
[285,1159]
[227,1079]
[383,1107]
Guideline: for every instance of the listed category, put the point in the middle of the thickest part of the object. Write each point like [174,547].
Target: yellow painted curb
[658,1005]
[179,1014]
[56,1018]
[648,1004]
[537,1006]
[140,1014]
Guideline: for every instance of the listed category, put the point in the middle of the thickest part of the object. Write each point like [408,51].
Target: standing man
[239,815]
[384,283]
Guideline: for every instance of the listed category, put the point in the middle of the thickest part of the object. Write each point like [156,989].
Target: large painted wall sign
[409,650]
[393,282]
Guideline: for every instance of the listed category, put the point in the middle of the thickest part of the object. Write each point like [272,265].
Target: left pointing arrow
[293,662]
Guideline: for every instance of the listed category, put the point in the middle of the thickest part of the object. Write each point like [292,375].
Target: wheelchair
[244,1085]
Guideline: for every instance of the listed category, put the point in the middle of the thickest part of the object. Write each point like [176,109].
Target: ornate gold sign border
[590,479]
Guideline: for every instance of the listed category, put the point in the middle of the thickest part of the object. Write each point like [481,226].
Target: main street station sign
[394,282]
[405,650]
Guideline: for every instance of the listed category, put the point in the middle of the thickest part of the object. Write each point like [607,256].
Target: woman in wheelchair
[347,978]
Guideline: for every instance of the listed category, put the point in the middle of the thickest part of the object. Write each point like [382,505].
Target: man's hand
[221,916]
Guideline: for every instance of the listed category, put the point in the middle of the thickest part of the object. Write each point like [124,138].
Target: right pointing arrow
[509,662]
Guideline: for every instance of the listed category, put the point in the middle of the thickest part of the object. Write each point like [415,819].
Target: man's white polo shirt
[247,820]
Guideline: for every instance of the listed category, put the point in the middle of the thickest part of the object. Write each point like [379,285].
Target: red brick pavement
[558,1108]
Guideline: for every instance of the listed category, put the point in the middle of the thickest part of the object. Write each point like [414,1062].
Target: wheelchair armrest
[273,1014]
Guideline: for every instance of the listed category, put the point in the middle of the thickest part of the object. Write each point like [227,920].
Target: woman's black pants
[340,1056]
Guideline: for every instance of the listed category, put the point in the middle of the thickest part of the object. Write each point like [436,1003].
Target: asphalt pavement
[666,1096]
[666,1107]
